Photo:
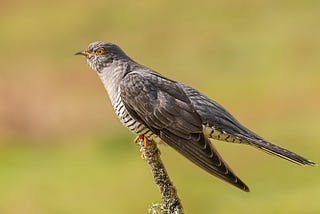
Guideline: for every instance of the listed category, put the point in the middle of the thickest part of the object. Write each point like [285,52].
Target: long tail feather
[279,152]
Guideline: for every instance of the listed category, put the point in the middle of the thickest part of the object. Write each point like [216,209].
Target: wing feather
[165,109]
[217,117]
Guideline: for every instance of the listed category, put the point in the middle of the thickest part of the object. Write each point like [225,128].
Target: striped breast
[111,78]
[133,125]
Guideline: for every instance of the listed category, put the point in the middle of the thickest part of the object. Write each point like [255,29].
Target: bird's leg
[138,138]
[145,142]
[142,137]
[141,140]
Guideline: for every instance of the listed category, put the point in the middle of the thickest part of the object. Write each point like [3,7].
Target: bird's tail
[279,151]
[254,140]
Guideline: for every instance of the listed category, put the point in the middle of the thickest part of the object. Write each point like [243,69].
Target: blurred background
[62,150]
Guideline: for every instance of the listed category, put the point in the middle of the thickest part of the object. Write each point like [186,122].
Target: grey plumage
[168,111]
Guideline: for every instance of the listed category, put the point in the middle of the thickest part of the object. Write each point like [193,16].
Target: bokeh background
[63,150]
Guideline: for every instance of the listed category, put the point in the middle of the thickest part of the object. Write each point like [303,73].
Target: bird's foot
[142,137]
[142,156]
[142,141]
[145,144]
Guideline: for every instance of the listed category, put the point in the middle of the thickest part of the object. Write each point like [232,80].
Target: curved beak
[83,53]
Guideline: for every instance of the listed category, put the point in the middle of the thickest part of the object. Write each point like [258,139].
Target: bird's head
[100,55]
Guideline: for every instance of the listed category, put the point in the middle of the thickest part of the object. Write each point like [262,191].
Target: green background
[62,150]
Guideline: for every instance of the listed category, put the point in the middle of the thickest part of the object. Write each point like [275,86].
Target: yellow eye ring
[100,51]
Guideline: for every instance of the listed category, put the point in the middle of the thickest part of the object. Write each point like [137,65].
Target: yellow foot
[145,140]
[142,156]
[138,138]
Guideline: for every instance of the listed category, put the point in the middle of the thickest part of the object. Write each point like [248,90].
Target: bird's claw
[142,141]
[142,137]
[142,156]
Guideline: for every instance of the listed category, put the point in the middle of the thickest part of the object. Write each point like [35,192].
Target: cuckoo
[163,110]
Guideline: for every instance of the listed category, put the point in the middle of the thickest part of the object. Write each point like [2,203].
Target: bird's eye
[100,51]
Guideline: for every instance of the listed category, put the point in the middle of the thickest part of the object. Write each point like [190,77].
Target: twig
[170,200]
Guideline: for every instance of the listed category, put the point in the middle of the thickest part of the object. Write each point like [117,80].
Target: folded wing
[164,107]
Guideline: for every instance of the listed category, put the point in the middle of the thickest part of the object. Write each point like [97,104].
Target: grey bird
[164,110]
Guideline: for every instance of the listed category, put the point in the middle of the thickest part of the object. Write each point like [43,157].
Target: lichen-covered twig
[170,199]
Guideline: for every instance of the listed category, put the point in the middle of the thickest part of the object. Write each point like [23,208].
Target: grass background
[62,150]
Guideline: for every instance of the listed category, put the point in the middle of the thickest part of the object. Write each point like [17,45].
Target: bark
[170,200]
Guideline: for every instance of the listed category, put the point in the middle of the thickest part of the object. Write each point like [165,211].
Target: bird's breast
[132,124]
[111,78]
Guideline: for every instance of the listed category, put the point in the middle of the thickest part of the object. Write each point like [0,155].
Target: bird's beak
[84,53]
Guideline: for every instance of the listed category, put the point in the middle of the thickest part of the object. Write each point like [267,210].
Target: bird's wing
[215,116]
[166,110]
